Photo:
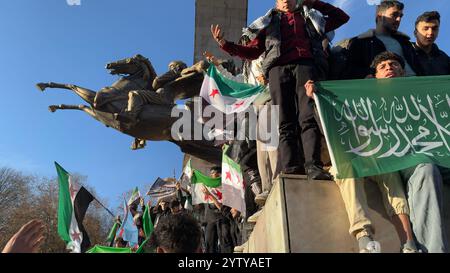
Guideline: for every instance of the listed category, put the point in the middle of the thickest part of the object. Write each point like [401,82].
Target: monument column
[231,15]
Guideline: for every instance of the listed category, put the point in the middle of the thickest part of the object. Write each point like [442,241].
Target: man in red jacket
[292,45]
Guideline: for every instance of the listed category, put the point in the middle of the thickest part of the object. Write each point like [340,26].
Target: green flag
[233,188]
[377,126]
[147,222]
[73,202]
[226,95]
[134,196]
[112,233]
[213,184]
[141,248]
[107,249]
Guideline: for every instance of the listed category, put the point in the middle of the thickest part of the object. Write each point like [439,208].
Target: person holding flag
[212,215]
[293,50]
[423,187]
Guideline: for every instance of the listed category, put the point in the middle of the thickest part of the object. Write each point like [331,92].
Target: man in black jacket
[385,37]
[430,59]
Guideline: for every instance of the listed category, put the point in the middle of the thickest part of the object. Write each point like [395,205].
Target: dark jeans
[212,237]
[226,239]
[296,111]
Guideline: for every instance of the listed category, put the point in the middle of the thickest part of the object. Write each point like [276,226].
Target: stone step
[309,216]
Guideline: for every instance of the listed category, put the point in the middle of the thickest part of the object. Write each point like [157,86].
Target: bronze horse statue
[155,121]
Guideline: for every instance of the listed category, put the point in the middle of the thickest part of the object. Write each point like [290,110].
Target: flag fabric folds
[73,203]
[233,189]
[135,195]
[199,180]
[147,222]
[128,230]
[112,233]
[377,126]
[107,249]
[226,95]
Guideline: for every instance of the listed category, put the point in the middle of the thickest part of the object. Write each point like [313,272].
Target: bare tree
[23,198]
[15,188]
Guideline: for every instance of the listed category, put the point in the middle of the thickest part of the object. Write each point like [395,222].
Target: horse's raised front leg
[86,94]
[80,107]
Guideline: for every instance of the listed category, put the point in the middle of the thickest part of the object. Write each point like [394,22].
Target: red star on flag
[238,104]
[76,236]
[228,176]
[218,194]
[214,92]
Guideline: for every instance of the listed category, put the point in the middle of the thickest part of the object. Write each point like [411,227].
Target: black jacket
[365,47]
[433,64]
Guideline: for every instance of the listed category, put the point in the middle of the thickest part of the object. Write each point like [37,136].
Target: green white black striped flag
[72,206]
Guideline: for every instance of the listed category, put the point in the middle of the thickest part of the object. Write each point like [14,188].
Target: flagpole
[104,207]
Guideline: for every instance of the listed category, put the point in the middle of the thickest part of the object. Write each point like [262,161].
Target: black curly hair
[177,233]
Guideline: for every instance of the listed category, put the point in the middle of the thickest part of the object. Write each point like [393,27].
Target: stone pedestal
[309,216]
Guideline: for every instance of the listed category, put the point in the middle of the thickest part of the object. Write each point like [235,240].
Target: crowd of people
[289,50]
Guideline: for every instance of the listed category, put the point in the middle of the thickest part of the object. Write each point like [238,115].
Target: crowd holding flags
[74,201]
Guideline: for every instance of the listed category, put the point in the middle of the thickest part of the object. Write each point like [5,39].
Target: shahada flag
[377,126]
[72,206]
[226,95]
[199,180]
[233,187]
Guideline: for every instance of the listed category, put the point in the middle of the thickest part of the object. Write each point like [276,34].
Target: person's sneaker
[409,250]
[254,217]
[315,173]
[409,247]
[261,198]
[371,247]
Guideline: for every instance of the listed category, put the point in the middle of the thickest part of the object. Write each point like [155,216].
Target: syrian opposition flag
[72,206]
[134,196]
[233,187]
[226,95]
[199,180]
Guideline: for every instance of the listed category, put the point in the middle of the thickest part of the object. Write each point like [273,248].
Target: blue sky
[52,41]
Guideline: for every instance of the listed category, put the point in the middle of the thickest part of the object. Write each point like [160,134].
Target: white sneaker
[410,250]
[372,247]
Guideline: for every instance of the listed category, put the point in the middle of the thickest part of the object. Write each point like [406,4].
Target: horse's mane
[151,70]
